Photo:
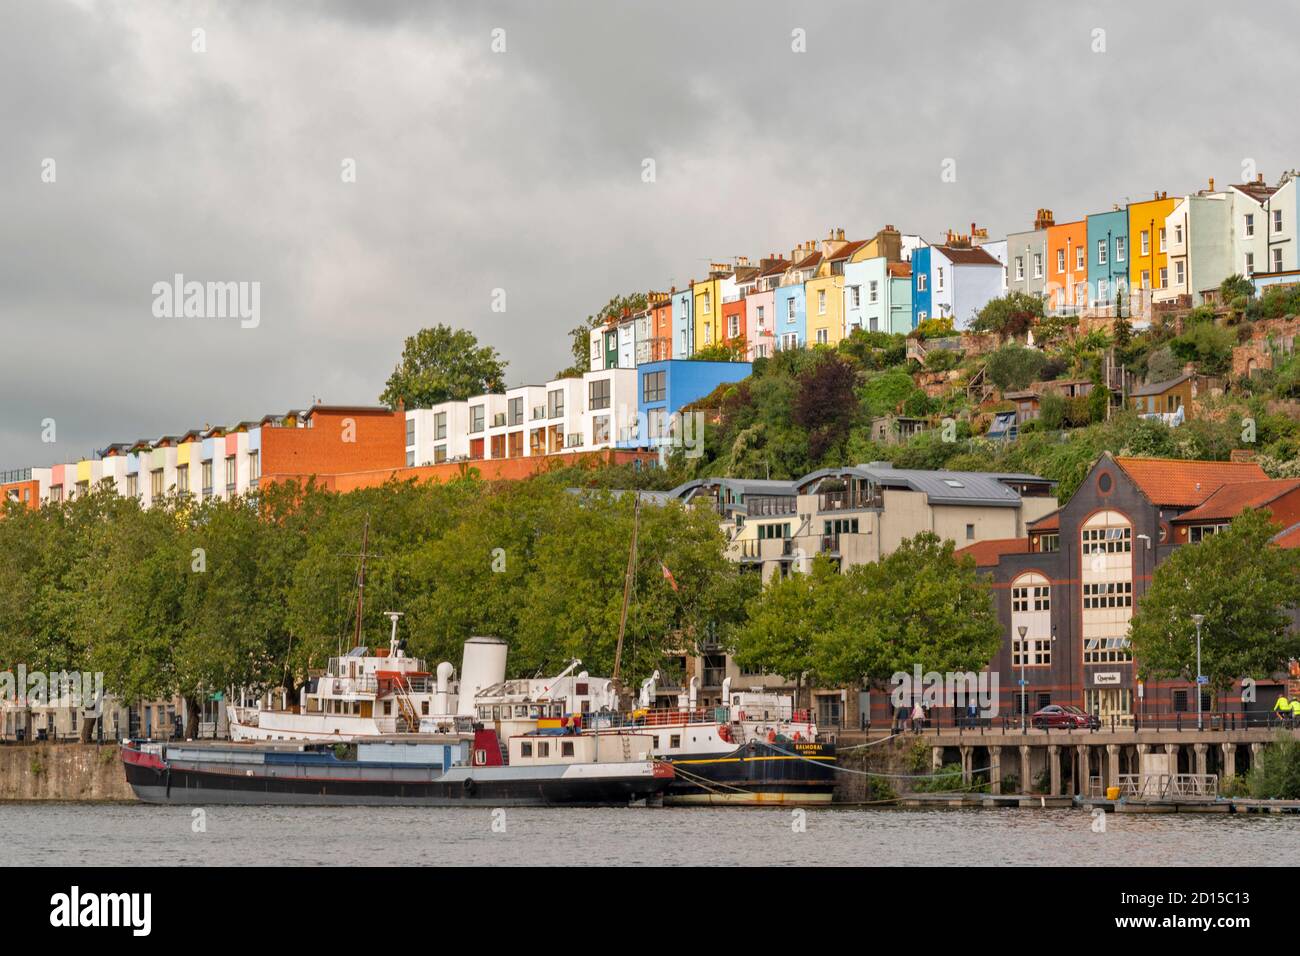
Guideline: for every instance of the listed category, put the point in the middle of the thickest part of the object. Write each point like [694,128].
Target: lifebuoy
[724,733]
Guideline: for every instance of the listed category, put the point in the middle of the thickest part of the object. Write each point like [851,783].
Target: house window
[515,414]
[1119,248]
[440,426]
[1103,290]
[1277,220]
[1164,277]
[855,296]
[938,279]
[600,430]
[1248,225]
[760,351]
[183,479]
[1078,258]
[821,301]
[410,457]
[1038,265]
[1060,260]
[828,710]
[733,326]
[1101,252]
[970,532]
[922,316]
[133,481]
[1163,244]
[1146,242]
[526,749]
[206,476]
[1179,273]
[873,292]
[758,315]
[230,475]
[1199,532]
[1277,260]
[790,340]
[789,309]
[156,481]
[685,345]
[1146,278]
[555,403]
[920,281]
[410,432]
[1108,594]
[1020,268]
[652,387]
[707,307]
[1249,266]
[598,393]
[476,418]
[822,337]
[1178,233]
[254,466]
[1107,541]
[56,493]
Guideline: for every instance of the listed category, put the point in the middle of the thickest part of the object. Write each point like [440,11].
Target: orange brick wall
[379,441]
[505,469]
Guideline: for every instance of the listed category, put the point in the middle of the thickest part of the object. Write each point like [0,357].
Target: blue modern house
[664,387]
[1107,257]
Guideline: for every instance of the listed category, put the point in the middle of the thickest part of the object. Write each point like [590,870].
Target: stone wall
[49,771]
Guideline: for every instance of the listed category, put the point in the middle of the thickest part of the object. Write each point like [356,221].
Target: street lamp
[1197,619]
[1024,700]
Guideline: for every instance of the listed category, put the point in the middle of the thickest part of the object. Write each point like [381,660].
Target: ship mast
[361,583]
[627,594]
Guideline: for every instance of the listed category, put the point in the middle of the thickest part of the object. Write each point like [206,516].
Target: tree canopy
[1243,585]
[443,364]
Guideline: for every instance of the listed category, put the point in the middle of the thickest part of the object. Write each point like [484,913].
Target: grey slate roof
[1159,388]
[940,487]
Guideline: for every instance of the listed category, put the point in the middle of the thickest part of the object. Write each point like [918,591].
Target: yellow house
[708,295]
[1148,251]
[824,292]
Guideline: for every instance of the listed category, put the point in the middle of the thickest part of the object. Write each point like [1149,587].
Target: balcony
[849,500]
[538,412]
[830,544]
[16,474]
[758,506]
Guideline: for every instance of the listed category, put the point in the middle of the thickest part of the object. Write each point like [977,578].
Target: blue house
[790,322]
[1107,257]
[683,325]
[921,309]
[664,387]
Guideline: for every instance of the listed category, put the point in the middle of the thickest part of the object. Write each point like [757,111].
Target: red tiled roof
[900,269]
[808,263]
[849,249]
[968,257]
[776,268]
[1050,522]
[1231,500]
[987,553]
[1290,538]
[1186,484]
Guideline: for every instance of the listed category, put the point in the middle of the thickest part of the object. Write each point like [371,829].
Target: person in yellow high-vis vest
[1282,708]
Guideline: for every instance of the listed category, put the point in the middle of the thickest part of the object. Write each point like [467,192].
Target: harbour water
[73,834]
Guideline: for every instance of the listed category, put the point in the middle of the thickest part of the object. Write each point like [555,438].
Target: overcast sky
[522,170]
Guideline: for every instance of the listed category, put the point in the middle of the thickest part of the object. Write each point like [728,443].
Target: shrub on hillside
[1014,366]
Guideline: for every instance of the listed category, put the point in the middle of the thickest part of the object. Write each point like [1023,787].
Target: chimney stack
[1211,184]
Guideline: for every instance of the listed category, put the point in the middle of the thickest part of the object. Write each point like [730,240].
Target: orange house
[661,325]
[733,323]
[1067,266]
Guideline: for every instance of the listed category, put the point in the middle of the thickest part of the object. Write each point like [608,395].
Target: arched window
[1031,608]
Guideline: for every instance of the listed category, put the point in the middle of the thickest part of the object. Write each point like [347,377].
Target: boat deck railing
[668,717]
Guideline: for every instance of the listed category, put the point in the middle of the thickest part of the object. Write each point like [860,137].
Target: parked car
[1059,715]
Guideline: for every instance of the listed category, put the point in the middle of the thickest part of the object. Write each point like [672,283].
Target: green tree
[1014,366]
[785,624]
[443,364]
[1276,772]
[1010,315]
[1243,585]
[580,335]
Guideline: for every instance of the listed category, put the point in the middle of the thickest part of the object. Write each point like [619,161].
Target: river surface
[78,834]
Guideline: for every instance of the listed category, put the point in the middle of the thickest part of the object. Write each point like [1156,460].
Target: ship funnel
[483,666]
[693,692]
[441,699]
[726,692]
[648,690]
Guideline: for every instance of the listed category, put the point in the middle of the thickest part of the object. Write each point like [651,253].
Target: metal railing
[1168,786]
[15,474]
[950,719]
[757,506]
[847,501]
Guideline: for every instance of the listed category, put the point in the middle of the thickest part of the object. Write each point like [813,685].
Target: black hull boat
[315,776]
[756,773]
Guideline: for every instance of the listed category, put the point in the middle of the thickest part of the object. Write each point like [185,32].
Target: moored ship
[532,770]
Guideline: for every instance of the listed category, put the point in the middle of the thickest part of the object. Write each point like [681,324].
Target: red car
[1057,715]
